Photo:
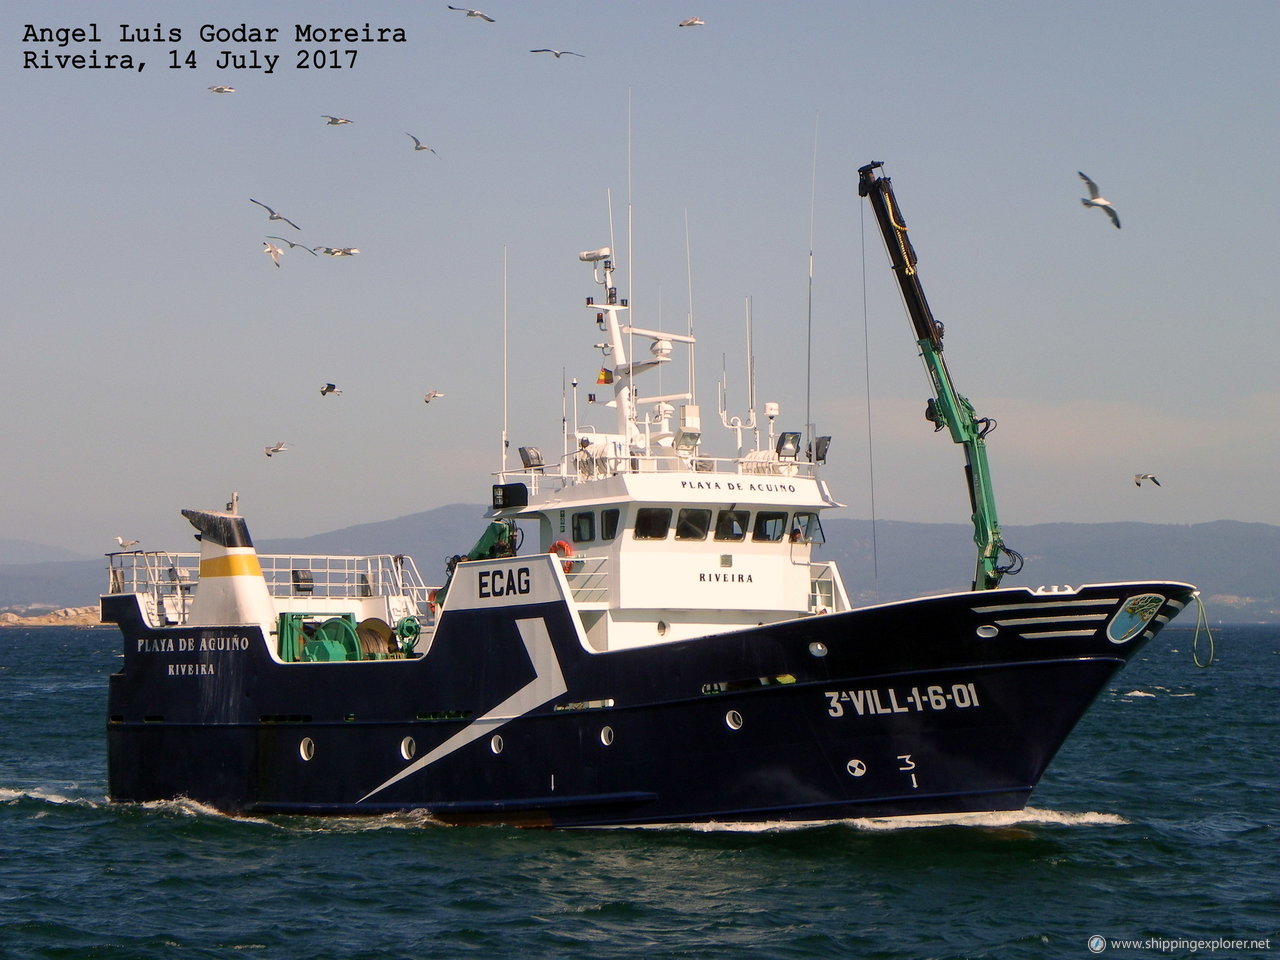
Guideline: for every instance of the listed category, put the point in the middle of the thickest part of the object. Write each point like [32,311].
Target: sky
[151,350]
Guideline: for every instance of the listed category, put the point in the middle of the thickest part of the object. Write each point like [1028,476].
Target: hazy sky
[151,350]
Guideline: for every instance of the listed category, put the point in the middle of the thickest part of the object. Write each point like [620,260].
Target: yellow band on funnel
[232,565]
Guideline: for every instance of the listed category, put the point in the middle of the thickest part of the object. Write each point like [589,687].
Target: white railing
[174,577]
[588,579]
[583,465]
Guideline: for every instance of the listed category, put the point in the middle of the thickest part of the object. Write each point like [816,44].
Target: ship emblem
[856,767]
[1133,617]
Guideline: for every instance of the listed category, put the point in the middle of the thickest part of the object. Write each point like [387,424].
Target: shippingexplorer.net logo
[1100,944]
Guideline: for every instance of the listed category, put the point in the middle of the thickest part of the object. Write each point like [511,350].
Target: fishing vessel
[644,633]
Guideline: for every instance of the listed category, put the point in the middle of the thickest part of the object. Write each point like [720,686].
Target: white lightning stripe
[547,684]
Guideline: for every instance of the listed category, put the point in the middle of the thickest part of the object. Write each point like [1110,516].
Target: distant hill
[24,551]
[1236,565]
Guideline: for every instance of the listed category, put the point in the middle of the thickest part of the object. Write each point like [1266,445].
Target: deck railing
[175,576]
[584,465]
[588,579]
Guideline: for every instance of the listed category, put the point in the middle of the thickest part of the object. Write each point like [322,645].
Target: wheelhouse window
[770,526]
[693,524]
[584,527]
[731,524]
[806,528]
[609,524]
[652,523]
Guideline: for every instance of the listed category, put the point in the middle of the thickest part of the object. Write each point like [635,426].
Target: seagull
[419,145]
[334,121]
[278,447]
[126,544]
[221,88]
[559,53]
[473,13]
[1139,477]
[693,22]
[431,395]
[329,388]
[1096,199]
[272,215]
[337,251]
[292,245]
[272,251]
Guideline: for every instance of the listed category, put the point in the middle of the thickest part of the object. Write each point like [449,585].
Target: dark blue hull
[944,705]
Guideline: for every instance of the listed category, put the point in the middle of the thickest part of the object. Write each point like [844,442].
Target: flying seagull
[337,251]
[693,22]
[293,246]
[126,544]
[1139,477]
[559,53]
[419,145]
[473,13]
[272,251]
[1096,199]
[329,388]
[334,121]
[431,395]
[272,215]
[221,88]
[278,447]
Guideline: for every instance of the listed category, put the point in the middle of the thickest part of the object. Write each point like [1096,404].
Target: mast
[947,409]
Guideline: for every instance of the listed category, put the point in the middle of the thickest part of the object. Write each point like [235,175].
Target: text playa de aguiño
[240,46]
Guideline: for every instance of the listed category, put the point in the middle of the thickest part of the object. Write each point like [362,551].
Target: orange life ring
[564,550]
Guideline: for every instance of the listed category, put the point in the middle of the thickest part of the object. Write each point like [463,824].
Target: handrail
[162,574]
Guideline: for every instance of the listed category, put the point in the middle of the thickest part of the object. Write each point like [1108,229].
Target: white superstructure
[662,543]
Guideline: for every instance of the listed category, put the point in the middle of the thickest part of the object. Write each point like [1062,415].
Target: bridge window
[652,523]
[770,525]
[608,524]
[731,524]
[806,528]
[584,527]
[693,524]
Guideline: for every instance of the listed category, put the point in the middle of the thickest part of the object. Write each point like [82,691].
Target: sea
[1154,834]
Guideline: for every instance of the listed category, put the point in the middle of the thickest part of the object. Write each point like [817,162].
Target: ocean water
[1157,824]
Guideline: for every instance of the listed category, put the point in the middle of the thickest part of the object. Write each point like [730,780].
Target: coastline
[90,616]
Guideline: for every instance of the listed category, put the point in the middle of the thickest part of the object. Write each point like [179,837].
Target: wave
[992,820]
[43,795]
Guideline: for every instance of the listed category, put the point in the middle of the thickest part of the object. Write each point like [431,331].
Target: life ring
[563,549]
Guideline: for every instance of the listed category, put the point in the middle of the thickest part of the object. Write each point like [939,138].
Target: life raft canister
[563,549]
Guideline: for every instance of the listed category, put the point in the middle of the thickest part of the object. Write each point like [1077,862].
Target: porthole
[606,736]
[733,719]
[818,649]
[662,628]
[987,631]
[408,748]
[307,748]
[495,743]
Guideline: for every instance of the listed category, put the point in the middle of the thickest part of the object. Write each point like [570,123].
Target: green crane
[947,409]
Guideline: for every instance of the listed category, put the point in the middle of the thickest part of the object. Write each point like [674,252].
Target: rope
[908,268]
[866,364]
[1202,620]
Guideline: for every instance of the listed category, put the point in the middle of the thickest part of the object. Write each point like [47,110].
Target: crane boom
[947,409]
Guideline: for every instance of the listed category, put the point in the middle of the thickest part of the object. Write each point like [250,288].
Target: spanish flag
[605,375]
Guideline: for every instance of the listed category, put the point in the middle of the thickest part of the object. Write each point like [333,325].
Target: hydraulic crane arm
[947,408]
